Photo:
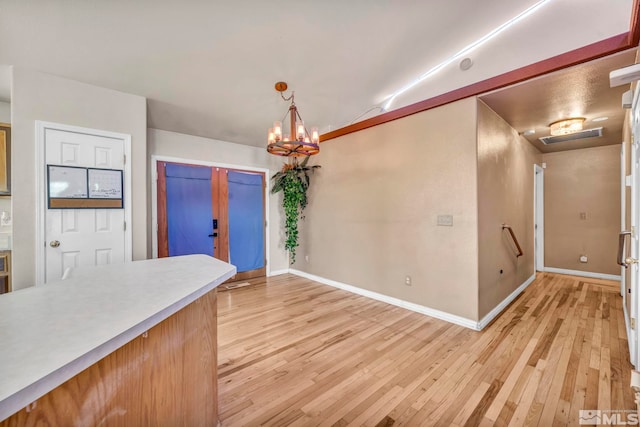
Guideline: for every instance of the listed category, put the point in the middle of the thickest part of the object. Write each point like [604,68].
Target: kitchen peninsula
[127,344]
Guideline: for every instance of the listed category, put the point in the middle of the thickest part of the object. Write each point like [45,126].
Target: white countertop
[52,332]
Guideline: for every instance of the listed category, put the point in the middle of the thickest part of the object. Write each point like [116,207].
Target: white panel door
[82,237]
[635,238]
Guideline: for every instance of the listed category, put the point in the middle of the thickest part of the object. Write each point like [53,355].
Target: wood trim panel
[223,224]
[587,53]
[163,227]
[251,274]
[85,204]
[219,201]
[215,211]
[634,26]
[167,376]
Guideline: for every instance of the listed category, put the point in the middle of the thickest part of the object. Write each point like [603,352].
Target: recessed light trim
[465,64]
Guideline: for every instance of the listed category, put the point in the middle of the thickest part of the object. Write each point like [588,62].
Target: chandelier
[298,142]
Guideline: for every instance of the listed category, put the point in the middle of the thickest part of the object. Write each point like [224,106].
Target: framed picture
[5,156]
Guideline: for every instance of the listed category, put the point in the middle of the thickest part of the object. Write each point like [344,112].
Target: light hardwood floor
[295,352]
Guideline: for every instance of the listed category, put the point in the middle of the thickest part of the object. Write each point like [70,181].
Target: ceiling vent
[583,134]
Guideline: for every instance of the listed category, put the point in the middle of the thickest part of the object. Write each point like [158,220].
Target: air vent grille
[583,134]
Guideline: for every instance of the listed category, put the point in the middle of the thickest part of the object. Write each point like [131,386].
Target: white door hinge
[125,226]
[633,323]
[124,159]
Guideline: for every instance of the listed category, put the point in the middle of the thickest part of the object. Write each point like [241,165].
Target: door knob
[54,243]
[631,260]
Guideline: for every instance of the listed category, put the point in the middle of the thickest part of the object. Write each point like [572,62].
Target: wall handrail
[514,238]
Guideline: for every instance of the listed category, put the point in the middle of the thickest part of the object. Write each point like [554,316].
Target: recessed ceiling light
[600,119]
[465,64]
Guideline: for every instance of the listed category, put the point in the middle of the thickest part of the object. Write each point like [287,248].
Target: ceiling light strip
[465,51]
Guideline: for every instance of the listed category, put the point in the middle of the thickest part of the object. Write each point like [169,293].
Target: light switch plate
[445,220]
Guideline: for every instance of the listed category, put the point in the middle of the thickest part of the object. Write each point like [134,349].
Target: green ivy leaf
[293,180]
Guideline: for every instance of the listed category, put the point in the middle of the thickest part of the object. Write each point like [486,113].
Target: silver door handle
[54,243]
[621,240]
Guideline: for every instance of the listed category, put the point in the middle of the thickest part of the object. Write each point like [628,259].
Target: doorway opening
[538,216]
[213,209]
[75,237]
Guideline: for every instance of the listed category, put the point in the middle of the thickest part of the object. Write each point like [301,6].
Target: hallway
[295,352]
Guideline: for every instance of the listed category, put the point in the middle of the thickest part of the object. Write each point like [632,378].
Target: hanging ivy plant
[293,181]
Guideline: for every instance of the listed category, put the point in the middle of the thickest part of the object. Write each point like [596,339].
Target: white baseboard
[278,272]
[432,312]
[583,273]
[451,318]
[505,302]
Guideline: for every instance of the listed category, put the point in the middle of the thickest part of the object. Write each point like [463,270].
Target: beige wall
[5,112]
[505,195]
[163,143]
[582,181]
[373,208]
[38,96]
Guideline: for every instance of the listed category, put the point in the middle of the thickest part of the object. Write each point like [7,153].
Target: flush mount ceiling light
[566,126]
[299,142]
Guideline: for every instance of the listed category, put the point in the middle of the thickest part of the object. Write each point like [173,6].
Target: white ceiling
[208,67]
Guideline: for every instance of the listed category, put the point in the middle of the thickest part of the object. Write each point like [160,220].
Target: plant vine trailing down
[293,181]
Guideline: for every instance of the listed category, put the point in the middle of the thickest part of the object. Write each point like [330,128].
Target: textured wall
[579,182]
[505,195]
[38,96]
[374,204]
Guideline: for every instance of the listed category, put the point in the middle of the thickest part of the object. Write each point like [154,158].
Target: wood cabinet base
[166,377]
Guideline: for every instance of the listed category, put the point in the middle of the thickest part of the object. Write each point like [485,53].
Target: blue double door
[213,211]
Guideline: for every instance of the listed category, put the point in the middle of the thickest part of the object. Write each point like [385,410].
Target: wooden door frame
[155,159]
[41,190]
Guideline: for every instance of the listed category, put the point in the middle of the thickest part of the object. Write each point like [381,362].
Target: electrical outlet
[306,258]
[583,258]
[407,280]
[5,219]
